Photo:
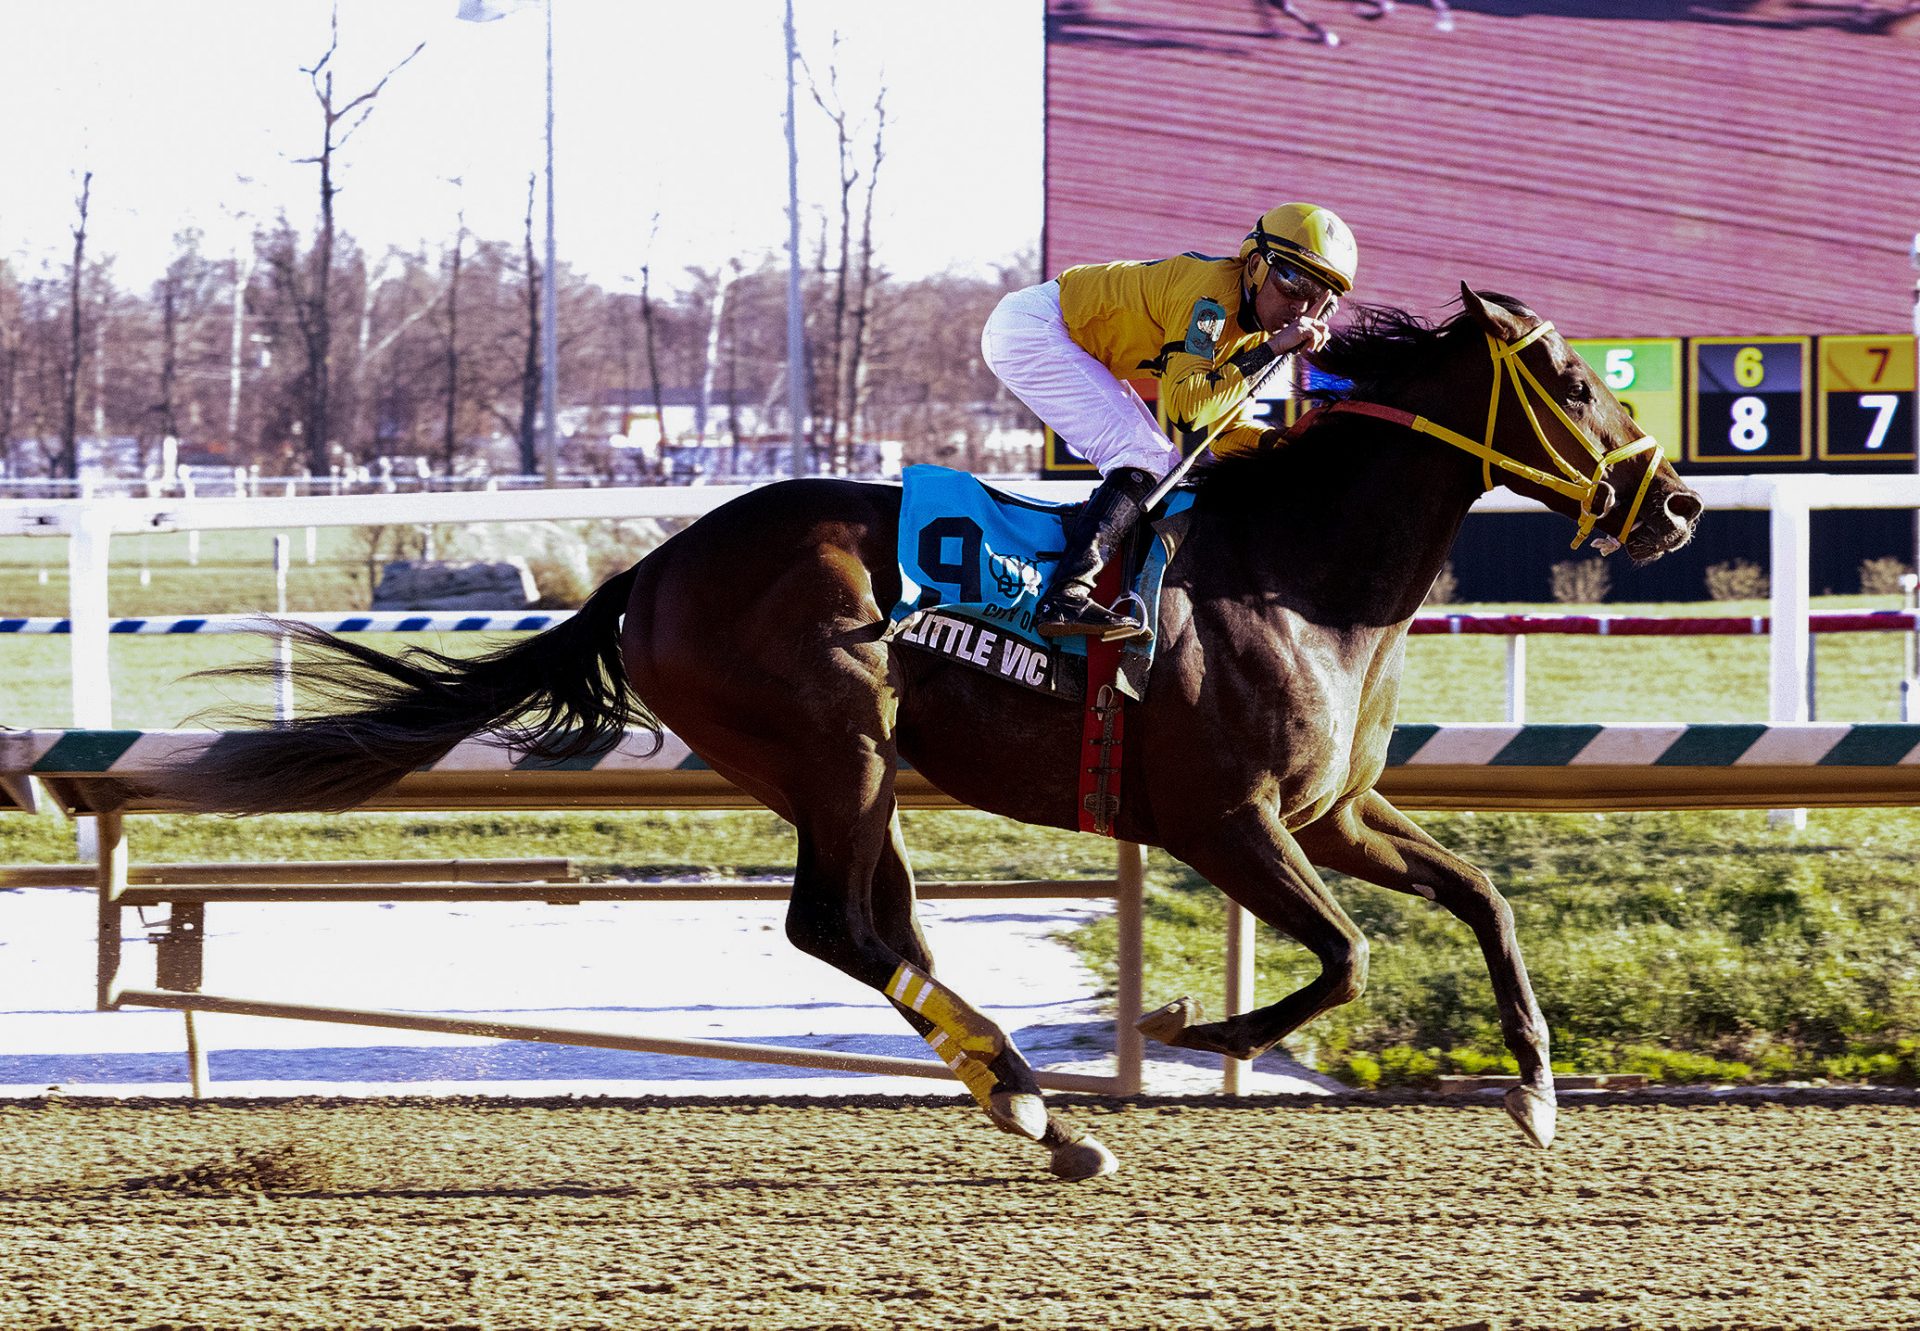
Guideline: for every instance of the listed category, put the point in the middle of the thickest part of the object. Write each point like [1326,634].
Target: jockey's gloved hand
[1303,334]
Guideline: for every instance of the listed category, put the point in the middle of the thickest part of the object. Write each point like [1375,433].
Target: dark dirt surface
[865,1213]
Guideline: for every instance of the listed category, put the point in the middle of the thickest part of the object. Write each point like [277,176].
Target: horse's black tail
[559,694]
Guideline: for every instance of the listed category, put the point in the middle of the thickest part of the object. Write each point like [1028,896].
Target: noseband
[1572,482]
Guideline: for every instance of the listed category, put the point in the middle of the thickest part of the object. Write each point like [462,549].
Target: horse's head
[1558,435]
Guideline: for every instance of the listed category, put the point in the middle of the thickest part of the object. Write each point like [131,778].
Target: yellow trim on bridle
[1572,482]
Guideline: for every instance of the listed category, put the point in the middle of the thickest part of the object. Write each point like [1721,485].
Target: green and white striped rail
[1476,766]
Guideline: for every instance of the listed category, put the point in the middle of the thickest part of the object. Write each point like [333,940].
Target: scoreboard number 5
[1619,369]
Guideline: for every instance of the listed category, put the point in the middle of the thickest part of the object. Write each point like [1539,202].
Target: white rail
[90,525]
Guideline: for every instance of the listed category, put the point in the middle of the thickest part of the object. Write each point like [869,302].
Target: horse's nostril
[1684,508]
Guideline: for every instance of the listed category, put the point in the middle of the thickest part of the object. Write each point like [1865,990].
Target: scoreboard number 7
[1866,399]
[1884,406]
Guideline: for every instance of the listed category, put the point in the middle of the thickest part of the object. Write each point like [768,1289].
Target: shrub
[1737,580]
[1677,1065]
[568,559]
[1475,1063]
[1446,587]
[1881,577]
[1361,1070]
[1403,1065]
[1581,581]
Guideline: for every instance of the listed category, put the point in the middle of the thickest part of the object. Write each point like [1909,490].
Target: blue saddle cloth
[973,562]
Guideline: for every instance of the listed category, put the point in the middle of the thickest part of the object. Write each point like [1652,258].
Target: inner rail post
[1516,678]
[1239,988]
[1129,915]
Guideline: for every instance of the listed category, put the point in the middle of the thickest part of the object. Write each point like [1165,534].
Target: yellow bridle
[1572,482]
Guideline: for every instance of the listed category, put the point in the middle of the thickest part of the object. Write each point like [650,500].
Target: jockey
[1205,327]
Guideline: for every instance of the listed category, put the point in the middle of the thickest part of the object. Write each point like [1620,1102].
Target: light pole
[796,337]
[550,337]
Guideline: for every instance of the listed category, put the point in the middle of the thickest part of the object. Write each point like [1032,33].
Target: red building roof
[1631,168]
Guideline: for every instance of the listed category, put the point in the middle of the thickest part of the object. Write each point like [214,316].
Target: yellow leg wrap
[951,1014]
[976,1076]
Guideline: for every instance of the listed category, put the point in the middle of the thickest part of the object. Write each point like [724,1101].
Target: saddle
[973,562]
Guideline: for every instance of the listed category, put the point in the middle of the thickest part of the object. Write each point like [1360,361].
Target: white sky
[192,111]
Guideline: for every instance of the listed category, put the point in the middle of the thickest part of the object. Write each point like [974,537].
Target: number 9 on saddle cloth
[973,562]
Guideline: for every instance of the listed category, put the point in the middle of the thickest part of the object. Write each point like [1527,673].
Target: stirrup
[1075,617]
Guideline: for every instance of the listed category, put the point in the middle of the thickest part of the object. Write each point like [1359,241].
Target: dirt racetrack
[867,1213]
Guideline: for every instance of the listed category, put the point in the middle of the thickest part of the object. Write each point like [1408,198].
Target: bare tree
[530,364]
[653,357]
[311,297]
[68,462]
[184,294]
[864,292]
[830,103]
[449,439]
[12,341]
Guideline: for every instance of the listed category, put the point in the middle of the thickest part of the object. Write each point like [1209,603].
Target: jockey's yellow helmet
[1310,238]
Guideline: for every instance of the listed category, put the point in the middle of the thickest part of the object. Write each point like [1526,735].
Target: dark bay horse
[756,636]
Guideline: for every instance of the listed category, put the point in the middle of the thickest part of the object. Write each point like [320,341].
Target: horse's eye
[1581,391]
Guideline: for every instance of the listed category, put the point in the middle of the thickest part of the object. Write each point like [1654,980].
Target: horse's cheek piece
[965,1040]
[1572,482]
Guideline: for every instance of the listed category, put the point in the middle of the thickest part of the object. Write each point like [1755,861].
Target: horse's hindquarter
[754,634]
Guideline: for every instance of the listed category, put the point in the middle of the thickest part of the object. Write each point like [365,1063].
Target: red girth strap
[1104,726]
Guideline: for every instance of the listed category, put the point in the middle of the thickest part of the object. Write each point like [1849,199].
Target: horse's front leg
[1375,842]
[1252,858]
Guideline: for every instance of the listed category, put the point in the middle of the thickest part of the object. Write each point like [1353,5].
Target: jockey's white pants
[1099,418]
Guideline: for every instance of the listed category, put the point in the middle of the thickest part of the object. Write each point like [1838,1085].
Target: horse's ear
[1497,321]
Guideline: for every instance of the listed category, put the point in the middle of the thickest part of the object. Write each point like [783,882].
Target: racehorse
[756,635]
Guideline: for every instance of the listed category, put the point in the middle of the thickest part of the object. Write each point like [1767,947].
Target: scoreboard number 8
[1749,432]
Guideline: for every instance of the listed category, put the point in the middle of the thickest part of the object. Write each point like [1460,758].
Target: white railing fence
[89,527]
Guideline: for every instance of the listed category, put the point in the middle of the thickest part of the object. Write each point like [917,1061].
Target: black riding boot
[1093,536]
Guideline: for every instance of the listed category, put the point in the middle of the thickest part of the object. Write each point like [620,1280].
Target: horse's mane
[1378,348]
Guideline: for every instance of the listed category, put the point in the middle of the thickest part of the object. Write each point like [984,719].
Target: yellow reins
[1572,482]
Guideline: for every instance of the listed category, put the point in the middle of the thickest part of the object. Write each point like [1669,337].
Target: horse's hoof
[1019,1112]
[1083,1159]
[1167,1024]
[1533,1111]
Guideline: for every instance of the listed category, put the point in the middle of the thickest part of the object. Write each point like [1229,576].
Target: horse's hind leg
[846,827]
[1076,1155]
[1375,842]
